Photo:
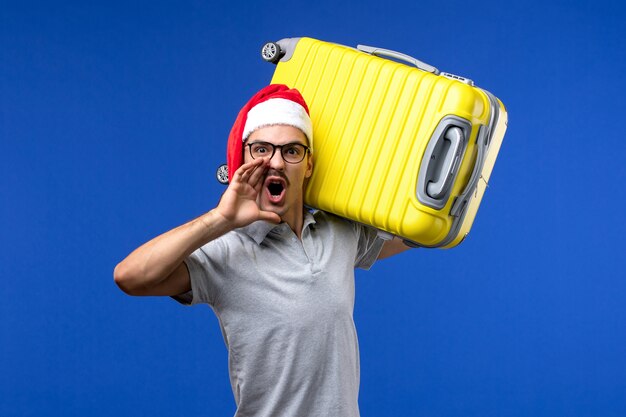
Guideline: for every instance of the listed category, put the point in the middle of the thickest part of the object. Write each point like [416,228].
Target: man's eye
[260,149]
[292,150]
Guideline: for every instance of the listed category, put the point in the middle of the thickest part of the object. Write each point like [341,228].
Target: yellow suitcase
[403,148]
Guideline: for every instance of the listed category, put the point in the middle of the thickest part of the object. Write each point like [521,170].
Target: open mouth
[275,189]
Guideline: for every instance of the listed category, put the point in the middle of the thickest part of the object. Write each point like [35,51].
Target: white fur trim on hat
[278,111]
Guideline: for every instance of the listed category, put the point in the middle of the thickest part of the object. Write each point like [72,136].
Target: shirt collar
[260,229]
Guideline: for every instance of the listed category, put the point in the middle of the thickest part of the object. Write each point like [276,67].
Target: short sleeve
[201,265]
[368,247]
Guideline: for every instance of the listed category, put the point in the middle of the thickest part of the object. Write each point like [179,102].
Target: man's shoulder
[240,238]
[326,217]
[337,224]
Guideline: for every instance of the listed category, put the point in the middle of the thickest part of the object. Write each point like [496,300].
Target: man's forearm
[148,268]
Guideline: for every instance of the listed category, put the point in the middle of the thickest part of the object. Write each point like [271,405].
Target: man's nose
[277,161]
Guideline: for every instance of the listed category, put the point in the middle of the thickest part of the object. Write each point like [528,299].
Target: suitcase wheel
[222,174]
[271,52]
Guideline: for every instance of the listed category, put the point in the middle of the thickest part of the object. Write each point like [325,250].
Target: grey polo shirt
[285,309]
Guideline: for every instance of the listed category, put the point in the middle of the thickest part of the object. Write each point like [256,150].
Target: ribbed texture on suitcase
[372,119]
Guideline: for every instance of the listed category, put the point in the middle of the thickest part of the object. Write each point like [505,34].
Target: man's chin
[271,207]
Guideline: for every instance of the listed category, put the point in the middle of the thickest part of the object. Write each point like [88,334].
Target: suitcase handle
[386,53]
[441,161]
[446,159]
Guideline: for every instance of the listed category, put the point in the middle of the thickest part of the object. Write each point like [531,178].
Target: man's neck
[295,221]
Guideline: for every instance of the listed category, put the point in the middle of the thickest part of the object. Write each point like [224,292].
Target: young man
[279,278]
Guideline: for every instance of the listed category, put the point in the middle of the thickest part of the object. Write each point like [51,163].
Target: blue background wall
[114,117]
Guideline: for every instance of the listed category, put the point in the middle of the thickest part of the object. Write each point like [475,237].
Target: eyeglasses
[292,153]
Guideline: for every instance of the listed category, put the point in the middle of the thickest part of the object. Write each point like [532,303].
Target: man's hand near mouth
[239,204]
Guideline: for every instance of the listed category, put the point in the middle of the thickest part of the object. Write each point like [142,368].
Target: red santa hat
[275,104]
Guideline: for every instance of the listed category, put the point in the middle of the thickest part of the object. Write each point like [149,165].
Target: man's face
[283,185]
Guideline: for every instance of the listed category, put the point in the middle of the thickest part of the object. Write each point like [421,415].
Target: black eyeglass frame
[271,145]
